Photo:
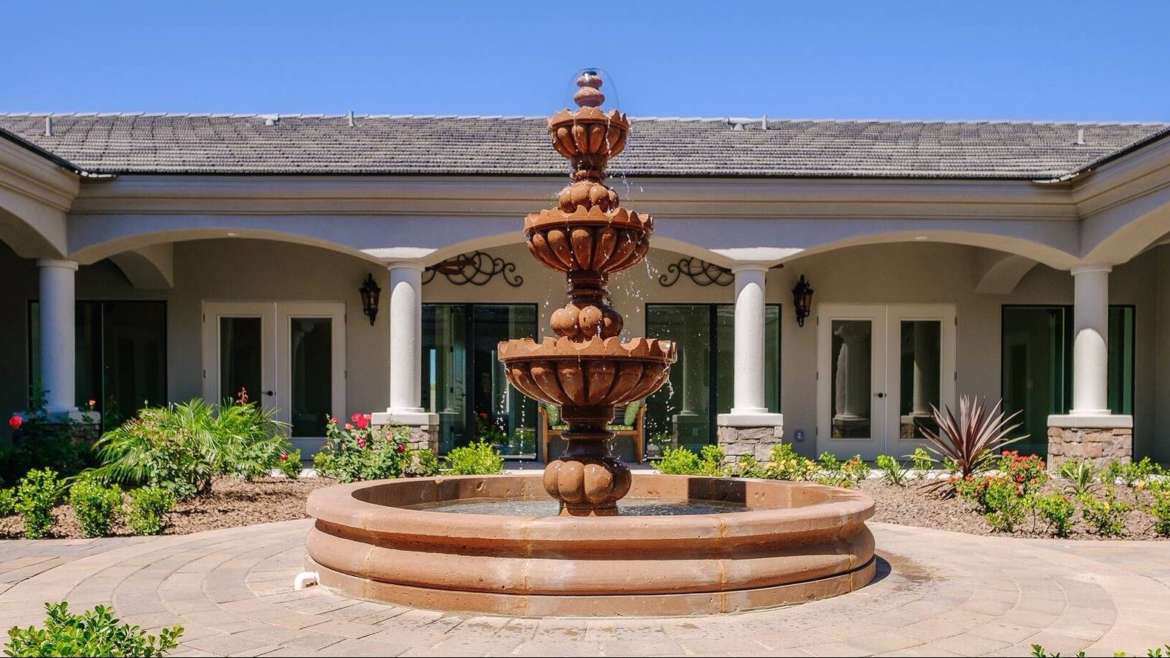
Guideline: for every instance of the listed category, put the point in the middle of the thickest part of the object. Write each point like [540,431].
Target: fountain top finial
[589,89]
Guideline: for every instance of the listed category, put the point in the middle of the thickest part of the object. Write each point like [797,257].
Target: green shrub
[1105,514]
[892,472]
[96,507]
[1028,472]
[1003,503]
[359,451]
[182,448]
[829,463]
[746,467]
[784,463]
[149,507]
[678,461]
[922,462]
[682,461]
[36,496]
[1080,474]
[289,463]
[1057,512]
[1160,510]
[7,502]
[61,443]
[1131,473]
[94,633]
[855,470]
[477,458]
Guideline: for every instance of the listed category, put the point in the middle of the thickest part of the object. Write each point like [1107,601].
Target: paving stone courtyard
[937,594]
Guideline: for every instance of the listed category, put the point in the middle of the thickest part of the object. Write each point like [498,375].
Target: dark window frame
[470,418]
[32,302]
[1067,383]
[713,352]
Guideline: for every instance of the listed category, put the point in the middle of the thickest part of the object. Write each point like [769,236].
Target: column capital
[60,264]
[406,265]
[1089,269]
[750,267]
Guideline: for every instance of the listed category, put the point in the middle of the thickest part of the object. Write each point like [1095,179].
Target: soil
[232,503]
[913,506]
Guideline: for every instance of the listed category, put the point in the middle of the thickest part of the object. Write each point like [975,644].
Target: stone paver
[937,594]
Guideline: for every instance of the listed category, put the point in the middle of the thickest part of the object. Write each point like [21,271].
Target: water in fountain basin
[548,507]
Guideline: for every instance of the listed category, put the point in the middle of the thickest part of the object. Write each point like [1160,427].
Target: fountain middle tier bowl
[593,373]
[494,544]
[588,239]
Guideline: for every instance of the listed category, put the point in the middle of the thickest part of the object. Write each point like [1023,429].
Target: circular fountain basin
[494,544]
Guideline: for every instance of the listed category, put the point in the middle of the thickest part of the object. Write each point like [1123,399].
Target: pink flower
[401,448]
[15,422]
[348,427]
[361,443]
[92,404]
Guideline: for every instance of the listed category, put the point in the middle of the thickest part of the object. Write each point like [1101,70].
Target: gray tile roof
[303,144]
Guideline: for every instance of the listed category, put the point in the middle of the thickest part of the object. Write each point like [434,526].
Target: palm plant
[972,440]
[1080,474]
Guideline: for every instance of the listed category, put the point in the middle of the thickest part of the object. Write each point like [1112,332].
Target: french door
[880,368]
[287,357]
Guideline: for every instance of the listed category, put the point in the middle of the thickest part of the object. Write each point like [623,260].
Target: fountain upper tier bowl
[792,542]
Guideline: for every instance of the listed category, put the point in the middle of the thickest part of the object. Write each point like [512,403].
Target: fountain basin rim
[340,506]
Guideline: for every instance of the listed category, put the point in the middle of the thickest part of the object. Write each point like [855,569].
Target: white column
[750,407]
[1090,340]
[58,341]
[1090,403]
[406,348]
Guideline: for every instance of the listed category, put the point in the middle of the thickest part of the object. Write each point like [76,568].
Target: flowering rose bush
[358,450]
[15,422]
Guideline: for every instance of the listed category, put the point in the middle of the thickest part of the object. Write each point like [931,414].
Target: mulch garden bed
[235,503]
[232,503]
[910,505]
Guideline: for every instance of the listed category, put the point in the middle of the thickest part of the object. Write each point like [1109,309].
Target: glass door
[921,373]
[239,352]
[851,379]
[463,379]
[880,369]
[310,370]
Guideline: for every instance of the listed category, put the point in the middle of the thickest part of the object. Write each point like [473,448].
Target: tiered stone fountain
[588,370]
[675,545]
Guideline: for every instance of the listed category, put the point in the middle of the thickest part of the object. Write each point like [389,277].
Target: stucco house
[152,258]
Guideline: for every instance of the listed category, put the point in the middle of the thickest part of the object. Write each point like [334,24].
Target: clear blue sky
[945,59]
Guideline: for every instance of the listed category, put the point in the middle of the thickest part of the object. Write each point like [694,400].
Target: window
[702,383]
[121,356]
[463,381]
[1036,360]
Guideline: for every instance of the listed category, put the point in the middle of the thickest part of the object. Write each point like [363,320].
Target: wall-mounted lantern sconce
[802,300]
[370,293]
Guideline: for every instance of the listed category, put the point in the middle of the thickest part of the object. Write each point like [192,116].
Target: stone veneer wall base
[1099,445]
[754,441]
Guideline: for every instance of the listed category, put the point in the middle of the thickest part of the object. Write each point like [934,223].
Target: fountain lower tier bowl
[493,544]
[597,373]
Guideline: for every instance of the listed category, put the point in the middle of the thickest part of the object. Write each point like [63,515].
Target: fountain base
[757,544]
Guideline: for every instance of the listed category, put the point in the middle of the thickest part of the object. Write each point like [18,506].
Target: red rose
[15,422]
[401,448]
[362,421]
[284,456]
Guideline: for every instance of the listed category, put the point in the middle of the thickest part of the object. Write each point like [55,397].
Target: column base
[424,427]
[1098,439]
[749,434]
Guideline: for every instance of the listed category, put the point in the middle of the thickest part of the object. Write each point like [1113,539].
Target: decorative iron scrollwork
[476,268]
[700,272]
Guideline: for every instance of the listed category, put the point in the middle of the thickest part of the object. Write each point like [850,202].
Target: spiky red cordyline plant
[972,440]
